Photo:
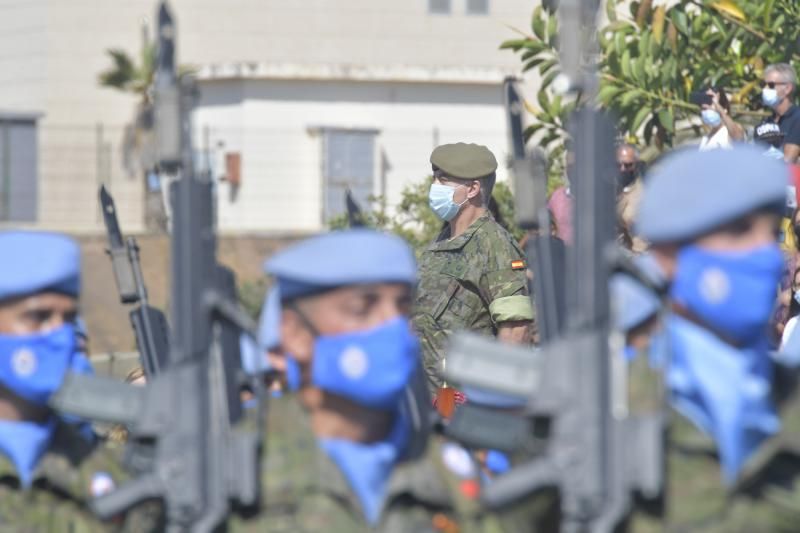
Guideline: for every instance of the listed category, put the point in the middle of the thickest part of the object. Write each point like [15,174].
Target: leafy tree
[127,76]
[414,221]
[653,56]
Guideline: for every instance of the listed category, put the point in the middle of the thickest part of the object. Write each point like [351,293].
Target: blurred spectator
[791,249]
[794,308]
[723,130]
[560,206]
[780,81]
[629,192]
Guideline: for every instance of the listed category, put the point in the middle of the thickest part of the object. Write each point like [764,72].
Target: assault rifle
[205,450]
[149,324]
[599,456]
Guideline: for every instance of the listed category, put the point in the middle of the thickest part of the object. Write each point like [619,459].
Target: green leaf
[547,65]
[533,63]
[642,114]
[548,80]
[630,97]
[552,27]
[666,119]
[544,99]
[538,24]
[513,44]
[638,70]
[611,10]
[625,63]
[608,93]
[619,43]
[680,20]
[644,42]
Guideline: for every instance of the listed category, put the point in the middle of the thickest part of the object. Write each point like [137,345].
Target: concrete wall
[276,126]
[52,51]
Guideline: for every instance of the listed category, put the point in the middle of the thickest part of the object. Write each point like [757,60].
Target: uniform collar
[64,450]
[294,463]
[442,244]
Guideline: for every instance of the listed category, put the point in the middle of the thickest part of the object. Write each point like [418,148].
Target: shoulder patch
[101,483]
[458,460]
[518,264]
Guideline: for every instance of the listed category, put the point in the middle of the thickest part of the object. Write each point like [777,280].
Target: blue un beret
[269,323]
[339,258]
[694,192]
[35,262]
[633,303]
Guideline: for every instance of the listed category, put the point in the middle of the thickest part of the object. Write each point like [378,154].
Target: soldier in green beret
[472,277]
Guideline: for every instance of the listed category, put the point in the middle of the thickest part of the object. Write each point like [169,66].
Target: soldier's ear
[296,339]
[474,189]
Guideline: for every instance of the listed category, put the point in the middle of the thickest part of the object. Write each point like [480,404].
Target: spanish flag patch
[519,264]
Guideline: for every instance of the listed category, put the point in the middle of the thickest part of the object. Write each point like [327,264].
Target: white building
[306,96]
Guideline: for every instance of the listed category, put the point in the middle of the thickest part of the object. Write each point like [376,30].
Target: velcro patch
[519,264]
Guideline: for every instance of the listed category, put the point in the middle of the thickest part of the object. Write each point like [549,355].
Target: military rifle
[149,324]
[205,450]
[599,456]
[355,216]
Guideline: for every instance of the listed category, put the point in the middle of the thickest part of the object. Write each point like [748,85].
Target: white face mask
[770,97]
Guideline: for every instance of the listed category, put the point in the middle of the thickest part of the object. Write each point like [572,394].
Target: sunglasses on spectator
[772,84]
[623,164]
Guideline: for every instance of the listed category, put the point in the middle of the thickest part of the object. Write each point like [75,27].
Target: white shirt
[720,139]
[787,330]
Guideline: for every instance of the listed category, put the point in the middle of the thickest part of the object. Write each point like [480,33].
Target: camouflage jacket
[303,490]
[766,497]
[472,282]
[70,473]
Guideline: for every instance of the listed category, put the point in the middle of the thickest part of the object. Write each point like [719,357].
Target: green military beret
[465,161]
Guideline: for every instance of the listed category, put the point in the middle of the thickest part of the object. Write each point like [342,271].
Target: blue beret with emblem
[693,193]
[35,262]
[341,258]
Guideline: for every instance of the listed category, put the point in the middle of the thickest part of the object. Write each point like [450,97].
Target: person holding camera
[716,115]
[777,93]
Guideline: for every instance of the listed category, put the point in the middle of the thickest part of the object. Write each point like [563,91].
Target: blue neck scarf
[24,443]
[367,467]
[722,390]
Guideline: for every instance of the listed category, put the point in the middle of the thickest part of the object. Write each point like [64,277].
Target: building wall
[277,129]
[52,51]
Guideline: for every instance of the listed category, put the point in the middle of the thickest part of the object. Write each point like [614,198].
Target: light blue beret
[633,303]
[254,360]
[694,192]
[269,323]
[339,258]
[35,262]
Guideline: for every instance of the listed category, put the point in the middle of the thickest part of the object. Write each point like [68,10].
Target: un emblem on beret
[101,483]
[714,286]
[353,363]
[23,362]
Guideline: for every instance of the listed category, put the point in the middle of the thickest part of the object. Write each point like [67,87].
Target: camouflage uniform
[304,491]
[766,497]
[473,282]
[66,478]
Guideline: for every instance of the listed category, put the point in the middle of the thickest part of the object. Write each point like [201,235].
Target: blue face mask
[710,117]
[33,366]
[371,367]
[440,199]
[770,97]
[733,292]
